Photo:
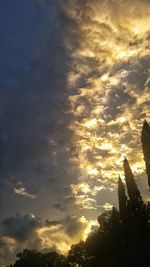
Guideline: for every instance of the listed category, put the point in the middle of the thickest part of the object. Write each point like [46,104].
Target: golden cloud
[109,84]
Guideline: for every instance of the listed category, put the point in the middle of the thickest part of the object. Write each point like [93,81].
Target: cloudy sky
[74,92]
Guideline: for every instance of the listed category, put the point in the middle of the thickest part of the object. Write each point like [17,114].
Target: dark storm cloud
[34,137]
[21,227]
[27,56]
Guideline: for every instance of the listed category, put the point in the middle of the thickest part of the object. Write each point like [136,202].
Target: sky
[74,92]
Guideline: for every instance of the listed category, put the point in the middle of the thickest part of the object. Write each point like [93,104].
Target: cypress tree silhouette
[133,192]
[125,214]
[115,229]
[136,207]
[145,139]
[122,199]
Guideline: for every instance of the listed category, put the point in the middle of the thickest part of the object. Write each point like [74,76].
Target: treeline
[123,236]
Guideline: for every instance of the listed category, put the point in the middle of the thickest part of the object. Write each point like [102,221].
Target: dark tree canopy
[32,258]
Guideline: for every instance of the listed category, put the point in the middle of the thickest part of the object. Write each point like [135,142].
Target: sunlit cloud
[22,191]
[107,206]
[29,231]
[109,81]
[62,236]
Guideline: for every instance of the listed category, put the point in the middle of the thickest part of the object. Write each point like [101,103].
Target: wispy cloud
[21,190]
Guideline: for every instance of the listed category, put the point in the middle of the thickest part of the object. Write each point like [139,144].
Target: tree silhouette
[77,255]
[32,258]
[133,192]
[124,213]
[122,200]
[145,139]
[137,215]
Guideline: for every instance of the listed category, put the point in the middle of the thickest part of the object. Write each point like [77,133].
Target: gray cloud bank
[34,138]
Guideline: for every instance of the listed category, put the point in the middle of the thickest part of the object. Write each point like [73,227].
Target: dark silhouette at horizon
[123,236]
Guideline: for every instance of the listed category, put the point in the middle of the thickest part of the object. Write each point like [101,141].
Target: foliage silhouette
[32,258]
[145,139]
[122,198]
[123,236]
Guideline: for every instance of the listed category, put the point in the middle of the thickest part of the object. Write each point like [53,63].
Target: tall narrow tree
[122,199]
[126,215]
[136,206]
[133,192]
[145,139]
